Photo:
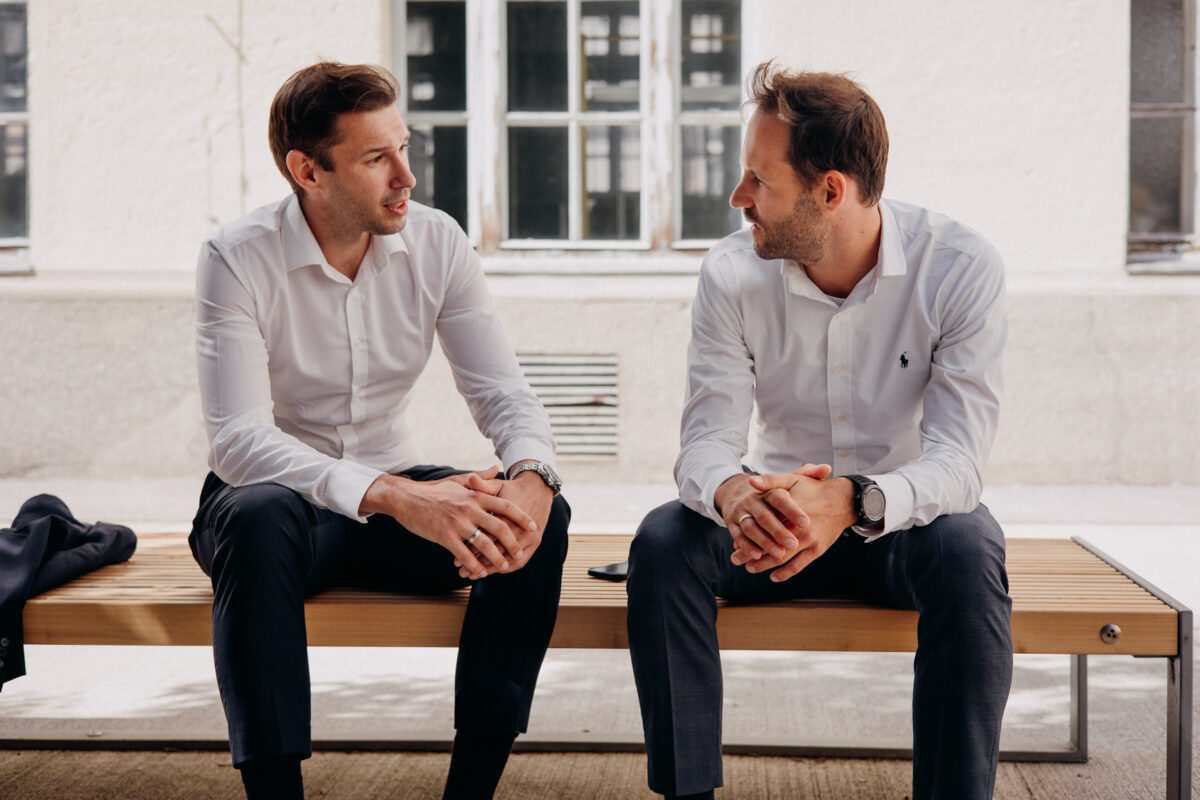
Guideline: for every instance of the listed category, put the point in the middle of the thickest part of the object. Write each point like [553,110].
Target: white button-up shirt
[305,375]
[900,381]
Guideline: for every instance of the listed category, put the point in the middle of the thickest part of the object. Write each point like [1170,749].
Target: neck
[853,252]
[342,247]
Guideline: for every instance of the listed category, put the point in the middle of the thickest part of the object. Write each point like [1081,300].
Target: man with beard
[867,335]
[314,317]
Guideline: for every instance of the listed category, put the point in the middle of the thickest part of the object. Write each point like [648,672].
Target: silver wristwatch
[543,469]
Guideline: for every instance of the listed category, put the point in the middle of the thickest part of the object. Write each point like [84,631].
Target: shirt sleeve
[245,444]
[483,362]
[961,403]
[720,394]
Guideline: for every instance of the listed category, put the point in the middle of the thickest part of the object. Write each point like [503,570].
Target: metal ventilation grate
[580,395]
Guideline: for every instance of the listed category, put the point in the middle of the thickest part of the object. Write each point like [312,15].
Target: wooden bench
[1068,598]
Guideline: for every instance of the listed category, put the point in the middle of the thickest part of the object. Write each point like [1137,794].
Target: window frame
[14,250]
[659,117]
[1173,252]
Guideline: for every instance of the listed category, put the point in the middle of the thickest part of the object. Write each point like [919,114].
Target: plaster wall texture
[149,120]
[1100,384]
[1011,117]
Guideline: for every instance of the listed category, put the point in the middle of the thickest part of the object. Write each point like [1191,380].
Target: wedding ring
[471,539]
[743,518]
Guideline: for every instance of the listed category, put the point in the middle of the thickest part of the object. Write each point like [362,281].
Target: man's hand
[448,513]
[489,483]
[757,527]
[529,493]
[828,507]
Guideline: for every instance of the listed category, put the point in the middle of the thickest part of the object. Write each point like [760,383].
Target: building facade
[589,147]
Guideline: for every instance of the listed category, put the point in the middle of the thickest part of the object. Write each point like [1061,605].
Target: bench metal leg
[1179,715]
[1079,707]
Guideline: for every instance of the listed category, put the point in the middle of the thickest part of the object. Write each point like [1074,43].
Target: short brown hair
[306,108]
[835,125]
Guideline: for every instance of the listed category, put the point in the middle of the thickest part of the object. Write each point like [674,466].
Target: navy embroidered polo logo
[904,360]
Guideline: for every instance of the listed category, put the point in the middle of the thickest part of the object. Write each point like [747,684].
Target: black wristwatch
[869,502]
[544,470]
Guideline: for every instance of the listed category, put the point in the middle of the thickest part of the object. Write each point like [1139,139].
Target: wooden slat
[1062,596]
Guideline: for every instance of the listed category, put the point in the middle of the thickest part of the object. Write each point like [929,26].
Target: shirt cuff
[708,491]
[528,449]
[348,483]
[899,497]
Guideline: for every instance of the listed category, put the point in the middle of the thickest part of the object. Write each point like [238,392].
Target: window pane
[1157,53]
[438,157]
[436,36]
[612,182]
[1156,148]
[609,31]
[712,54]
[13,160]
[12,58]
[710,171]
[537,183]
[537,56]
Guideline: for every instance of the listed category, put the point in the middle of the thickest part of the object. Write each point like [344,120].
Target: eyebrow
[374,150]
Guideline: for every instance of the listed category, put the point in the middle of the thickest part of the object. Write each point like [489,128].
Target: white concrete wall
[148,130]
[149,118]
[1012,117]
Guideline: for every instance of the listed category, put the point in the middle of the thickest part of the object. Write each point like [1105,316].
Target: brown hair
[835,125]
[306,108]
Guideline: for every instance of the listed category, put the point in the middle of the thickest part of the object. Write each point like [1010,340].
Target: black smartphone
[610,572]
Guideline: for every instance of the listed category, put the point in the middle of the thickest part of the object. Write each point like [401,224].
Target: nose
[403,176]
[739,198]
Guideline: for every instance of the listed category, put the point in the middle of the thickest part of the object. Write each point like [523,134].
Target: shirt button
[841,418]
[838,369]
[845,454]
[4,642]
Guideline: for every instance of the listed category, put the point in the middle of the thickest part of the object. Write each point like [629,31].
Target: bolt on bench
[1068,598]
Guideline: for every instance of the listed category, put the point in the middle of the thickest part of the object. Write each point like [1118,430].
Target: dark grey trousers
[950,571]
[266,549]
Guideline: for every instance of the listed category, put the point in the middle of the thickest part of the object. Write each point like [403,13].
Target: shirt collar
[300,248]
[891,261]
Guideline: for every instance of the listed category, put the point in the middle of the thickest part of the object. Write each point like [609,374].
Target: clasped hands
[510,516]
[784,522]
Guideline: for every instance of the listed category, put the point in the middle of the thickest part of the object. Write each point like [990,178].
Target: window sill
[590,263]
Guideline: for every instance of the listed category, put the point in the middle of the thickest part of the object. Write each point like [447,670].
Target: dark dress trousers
[950,571]
[266,549]
[47,547]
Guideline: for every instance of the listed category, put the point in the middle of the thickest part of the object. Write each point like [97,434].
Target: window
[553,124]
[1162,132]
[434,77]
[14,140]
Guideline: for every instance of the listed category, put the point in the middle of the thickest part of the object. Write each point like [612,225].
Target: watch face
[553,481]
[873,503]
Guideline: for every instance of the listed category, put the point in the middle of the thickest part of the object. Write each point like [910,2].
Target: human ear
[836,187]
[302,169]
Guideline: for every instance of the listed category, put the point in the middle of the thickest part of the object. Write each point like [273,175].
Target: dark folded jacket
[44,548]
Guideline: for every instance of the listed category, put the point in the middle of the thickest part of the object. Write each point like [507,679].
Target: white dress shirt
[305,375]
[900,381]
